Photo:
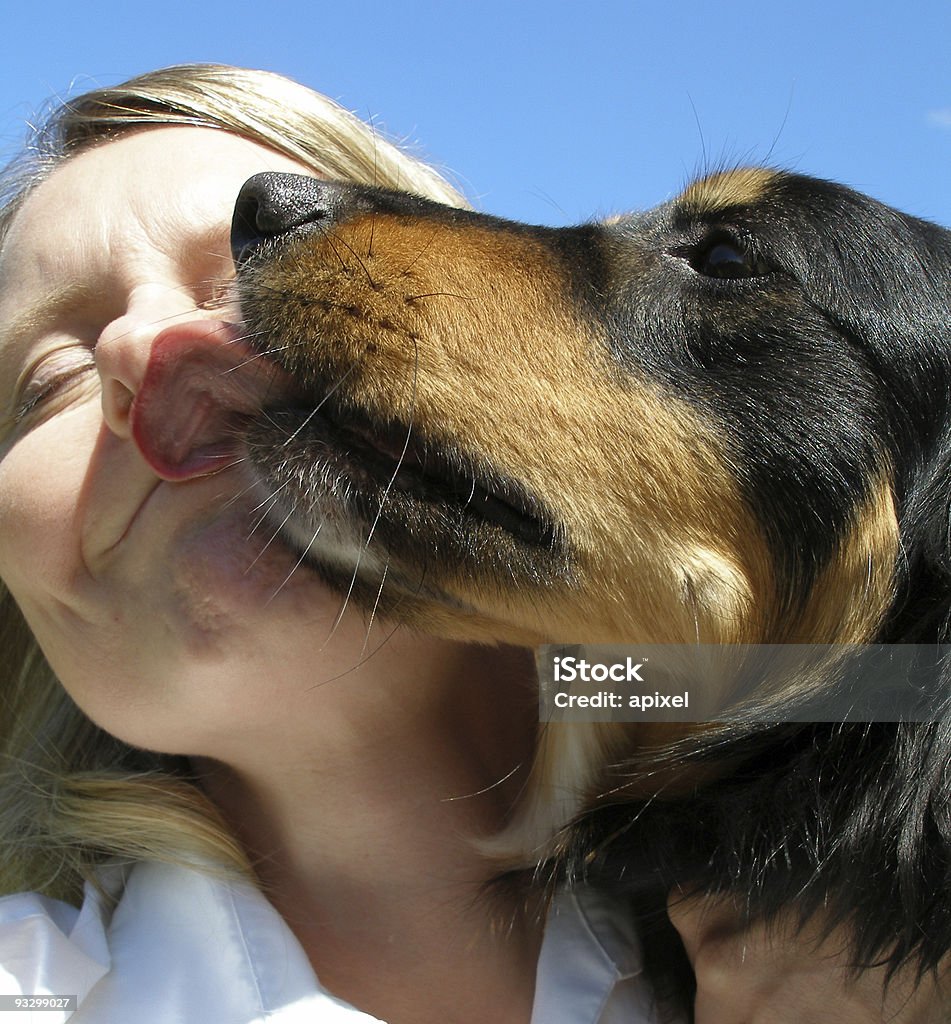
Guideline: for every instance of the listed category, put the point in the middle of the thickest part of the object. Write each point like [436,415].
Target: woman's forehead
[157,161]
[144,187]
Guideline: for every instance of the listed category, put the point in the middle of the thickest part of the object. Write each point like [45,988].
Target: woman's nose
[123,347]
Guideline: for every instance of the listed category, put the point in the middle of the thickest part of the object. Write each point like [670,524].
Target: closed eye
[46,387]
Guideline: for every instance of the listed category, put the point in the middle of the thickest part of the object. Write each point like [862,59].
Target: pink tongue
[199,386]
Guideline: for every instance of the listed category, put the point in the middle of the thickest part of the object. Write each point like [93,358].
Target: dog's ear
[884,282]
[922,610]
[912,345]
[882,278]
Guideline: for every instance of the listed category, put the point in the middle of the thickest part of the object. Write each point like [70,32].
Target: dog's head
[724,420]
[713,421]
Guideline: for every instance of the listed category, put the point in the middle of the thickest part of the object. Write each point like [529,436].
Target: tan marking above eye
[741,187]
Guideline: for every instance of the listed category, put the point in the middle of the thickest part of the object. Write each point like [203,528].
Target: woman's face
[156,601]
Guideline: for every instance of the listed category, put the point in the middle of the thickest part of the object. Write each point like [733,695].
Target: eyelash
[40,391]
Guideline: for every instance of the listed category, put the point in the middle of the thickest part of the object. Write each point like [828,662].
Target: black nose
[270,205]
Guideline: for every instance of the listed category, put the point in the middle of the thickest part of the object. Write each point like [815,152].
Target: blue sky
[556,112]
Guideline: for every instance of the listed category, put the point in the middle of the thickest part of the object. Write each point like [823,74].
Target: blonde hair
[70,794]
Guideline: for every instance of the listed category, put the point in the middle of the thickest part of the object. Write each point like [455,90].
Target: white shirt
[181,947]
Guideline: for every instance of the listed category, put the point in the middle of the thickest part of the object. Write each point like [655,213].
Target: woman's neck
[361,820]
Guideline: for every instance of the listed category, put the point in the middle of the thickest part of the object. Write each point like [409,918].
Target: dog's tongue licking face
[200,386]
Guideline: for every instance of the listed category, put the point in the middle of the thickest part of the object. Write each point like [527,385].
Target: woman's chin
[230,630]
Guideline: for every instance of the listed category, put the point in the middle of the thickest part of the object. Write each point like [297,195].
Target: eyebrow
[43,313]
[740,187]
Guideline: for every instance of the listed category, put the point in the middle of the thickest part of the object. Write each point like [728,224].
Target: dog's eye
[728,259]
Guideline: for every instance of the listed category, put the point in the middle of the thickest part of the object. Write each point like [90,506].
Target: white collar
[182,945]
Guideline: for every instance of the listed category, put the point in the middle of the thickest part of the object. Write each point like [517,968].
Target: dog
[723,421]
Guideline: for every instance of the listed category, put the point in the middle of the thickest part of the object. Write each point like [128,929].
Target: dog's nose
[271,204]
